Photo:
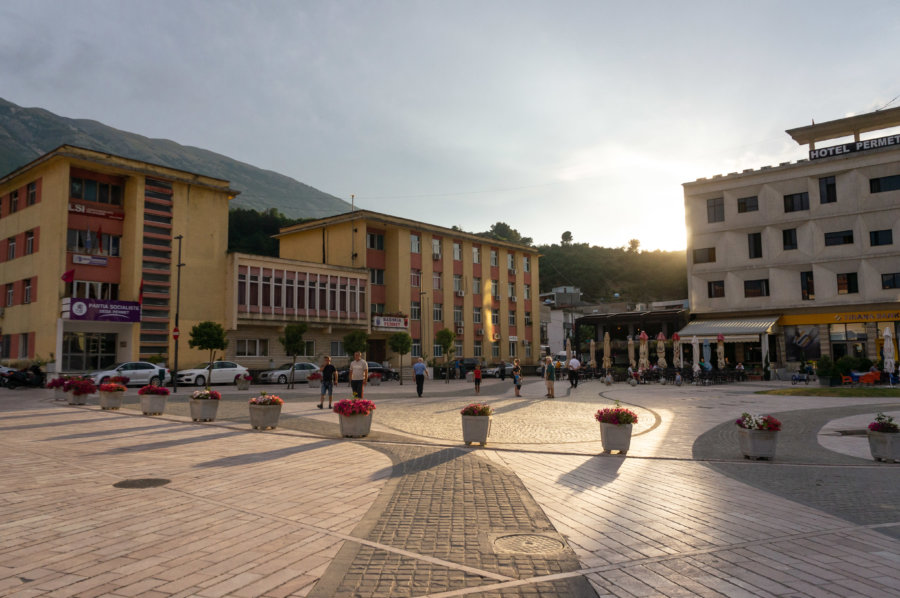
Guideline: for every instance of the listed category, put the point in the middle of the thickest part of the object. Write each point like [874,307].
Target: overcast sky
[551,116]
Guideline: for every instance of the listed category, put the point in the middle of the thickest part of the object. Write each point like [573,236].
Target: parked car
[494,370]
[223,372]
[374,368]
[281,375]
[139,373]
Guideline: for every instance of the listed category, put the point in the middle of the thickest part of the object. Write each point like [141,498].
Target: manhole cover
[528,543]
[142,483]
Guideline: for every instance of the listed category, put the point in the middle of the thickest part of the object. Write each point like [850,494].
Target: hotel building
[799,260]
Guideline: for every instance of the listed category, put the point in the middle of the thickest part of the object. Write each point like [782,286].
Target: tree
[211,337]
[356,341]
[504,232]
[293,344]
[445,337]
[566,238]
[400,343]
[634,246]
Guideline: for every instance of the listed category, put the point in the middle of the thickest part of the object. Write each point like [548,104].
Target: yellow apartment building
[422,278]
[89,244]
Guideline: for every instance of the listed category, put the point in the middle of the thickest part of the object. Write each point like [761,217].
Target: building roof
[842,127]
[397,221]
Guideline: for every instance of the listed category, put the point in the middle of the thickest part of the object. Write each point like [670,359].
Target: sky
[550,116]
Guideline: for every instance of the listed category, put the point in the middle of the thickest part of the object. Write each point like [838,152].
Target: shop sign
[83,209]
[856,146]
[390,322]
[90,260]
[105,311]
[842,318]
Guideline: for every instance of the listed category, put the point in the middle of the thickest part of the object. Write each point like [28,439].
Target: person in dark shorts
[329,379]
[517,377]
[476,375]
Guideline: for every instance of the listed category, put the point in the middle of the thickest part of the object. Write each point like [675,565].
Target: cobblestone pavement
[410,511]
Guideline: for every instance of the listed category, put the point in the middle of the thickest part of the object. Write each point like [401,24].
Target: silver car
[139,373]
[223,372]
[302,370]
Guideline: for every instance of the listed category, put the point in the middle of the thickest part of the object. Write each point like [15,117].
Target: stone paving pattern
[411,511]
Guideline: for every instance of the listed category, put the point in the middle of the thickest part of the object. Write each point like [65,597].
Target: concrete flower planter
[355,426]
[204,410]
[476,428]
[75,399]
[153,404]
[615,437]
[885,446]
[111,400]
[757,444]
[264,417]
[243,385]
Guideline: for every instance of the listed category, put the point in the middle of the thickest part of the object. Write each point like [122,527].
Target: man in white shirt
[574,365]
[359,375]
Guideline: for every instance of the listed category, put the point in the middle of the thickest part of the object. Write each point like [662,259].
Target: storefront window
[88,351]
[847,339]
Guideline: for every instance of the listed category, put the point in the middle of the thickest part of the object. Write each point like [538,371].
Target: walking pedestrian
[502,371]
[359,375]
[550,378]
[476,375]
[574,366]
[421,372]
[517,377]
[329,379]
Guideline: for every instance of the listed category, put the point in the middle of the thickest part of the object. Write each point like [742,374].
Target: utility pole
[176,332]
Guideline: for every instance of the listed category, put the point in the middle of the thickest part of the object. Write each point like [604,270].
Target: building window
[527,291]
[415,311]
[27,295]
[754,243]
[376,276]
[476,286]
[512,318]
[436,249]
[827,190]
[376,308]
[512,348]
[438,350]
[31,192]
[337,349]
[528,318]
[457,282]
[511,291]
[495,317]
[890,281]
[415,278]
[476,315]
[438,312]
[526,263]
[715,288]
[11,249]
[841,237]
[715,210]
[23,345]
[458,348]
[756,288]
[253,347]
[705,255]
[789,238]
[495,289]
[436,281]
[375,241]
[10,294]
[495,350]
[747,204]
[885,183]
[476,255]
[527,350]
[796,202]
[13,200]
[29,242]
[494,261]
[510,261]
[457,251]
[458,315]
[89,190]
[881,237]
[416,349]
[807,287]
[414,244]
[476,350]
[847,283]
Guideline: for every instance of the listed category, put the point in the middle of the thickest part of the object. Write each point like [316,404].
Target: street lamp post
[176,332]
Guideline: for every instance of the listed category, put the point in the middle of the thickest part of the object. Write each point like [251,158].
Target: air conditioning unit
[1,312]
[479,332]
[513,298]
[512,270]
[459,329]
[496,336]
[436,256]
[460,293]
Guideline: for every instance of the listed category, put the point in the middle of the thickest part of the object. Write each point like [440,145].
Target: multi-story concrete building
[799,260]
[86,257]
[422,278]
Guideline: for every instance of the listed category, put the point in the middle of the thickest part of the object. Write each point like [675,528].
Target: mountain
[28,133]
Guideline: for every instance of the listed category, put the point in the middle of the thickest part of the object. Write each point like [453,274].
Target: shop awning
[735,330]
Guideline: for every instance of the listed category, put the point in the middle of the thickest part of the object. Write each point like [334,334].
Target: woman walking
[517,377]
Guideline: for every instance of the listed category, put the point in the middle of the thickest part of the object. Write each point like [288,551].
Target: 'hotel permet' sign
[856,146]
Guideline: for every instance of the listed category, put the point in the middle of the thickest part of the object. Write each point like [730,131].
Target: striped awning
[735,330]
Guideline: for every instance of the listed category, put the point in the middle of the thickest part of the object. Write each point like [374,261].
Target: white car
[302,370]
[139,373]
[223,372]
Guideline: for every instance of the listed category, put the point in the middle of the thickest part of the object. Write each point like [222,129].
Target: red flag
[141,293]
[68,276]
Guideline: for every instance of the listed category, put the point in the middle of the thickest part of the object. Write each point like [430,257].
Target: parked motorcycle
[29,377]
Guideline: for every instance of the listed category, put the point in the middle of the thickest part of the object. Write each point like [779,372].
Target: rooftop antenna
[352,200]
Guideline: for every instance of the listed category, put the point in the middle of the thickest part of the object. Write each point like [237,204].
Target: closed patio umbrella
[607,360]
[661,350]
[676,351]
[593,353]
[631,352]
[707,352]
[889,363]
[720,351]
[568,352]
[644,363]
[695,350]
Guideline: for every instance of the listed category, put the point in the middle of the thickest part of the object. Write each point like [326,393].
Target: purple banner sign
[108,311]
